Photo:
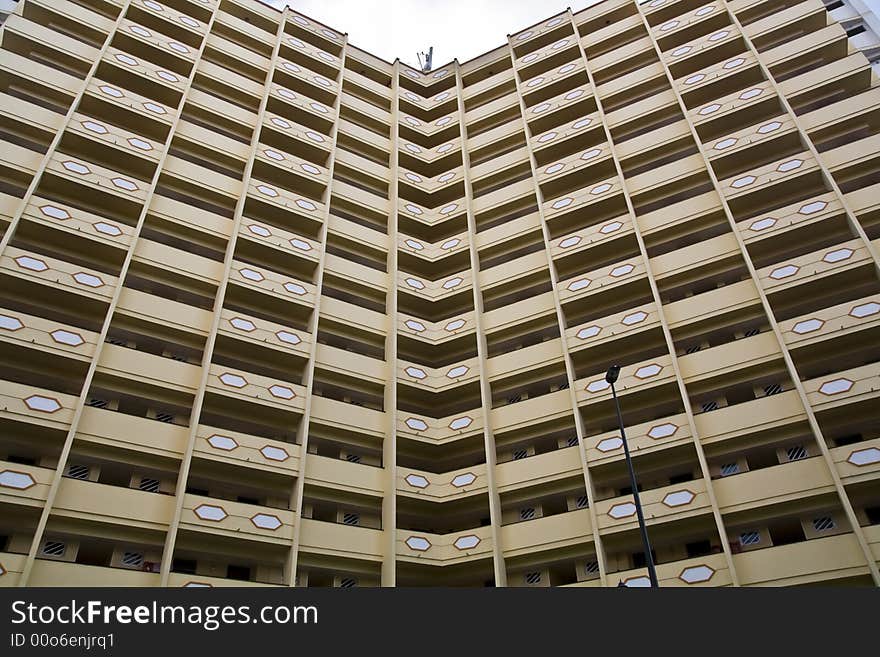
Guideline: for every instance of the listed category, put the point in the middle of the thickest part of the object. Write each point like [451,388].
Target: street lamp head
[612,373]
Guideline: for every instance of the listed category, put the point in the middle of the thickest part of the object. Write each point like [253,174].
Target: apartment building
[276,312]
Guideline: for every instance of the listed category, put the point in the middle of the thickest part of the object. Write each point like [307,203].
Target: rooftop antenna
[429,57]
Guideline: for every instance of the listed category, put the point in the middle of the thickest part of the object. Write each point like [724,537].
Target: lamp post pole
[611,377]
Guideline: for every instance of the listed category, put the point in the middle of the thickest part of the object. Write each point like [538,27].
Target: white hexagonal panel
[733,63]
[418,246]
[461,423]
[598,385]
[561,203]
[266,521]
[453,283]
[743,182]
[611,227]
[724,143]
[243,324]
[647,371]
[569,242]
[709,109]
[454,325]
[274,453]
[554,168]
[295,288]
[762,224]
[416,481]
[791,165]
[282,392]
[464,479]
[262,231]
[547,137]
[693,79]
[288,337]
[225,443]
[302,245]
[609,444]
[93,126]
[55,212]
[808,326]
[210,512]
[588,332]
[416,424]
[865,309]
[812,208]
[579,284]
[678,498]
[251,274]
[621,270]
[696,574]
[16,480]
[634,318]
[769,127]
[600,189]
[155,108]
[837,255]
[233,380]
[67,337]
[457,371]
[784,272]
[467,542]
[107,229]
[281,123]
[111,91]
[34,264]
[450,244]
[864,456]
[416,372]
[10,323]
[89,280]
[638,582]
[836,386]
[415,283]
[306,205]
[662,430]
[623,510]
[124,183]
[40,403]
[418,543]
[413,325]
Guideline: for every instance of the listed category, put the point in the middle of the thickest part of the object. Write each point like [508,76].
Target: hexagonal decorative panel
[243,324]
[637,582]
[751,93]
[580,284]
[611,227]
[621,270]
[2,570]
[416,424]
[416,481]
[467,542]
[693,79]
[791,165]
[233,380]
[416,373]
[634,318]
[210,512]
[55,212]
[268,191]
[813,208]
[251,274]
[153,107]
[274,453]
[808,326]
[678,498]
[288,337]
[865,309]
[569,242]
[16,480]
[107,229]
[415,283]
[762,224]
[76,167]
[266,521]
[609,444]
[95,127]
[784,272]
[623,510]
[450,244]
[598,385]
[40,403]
[769,127]
[453,283]
[588,332]
[282,392]
[140,144]
[837,255]
[89,280]
[67,337]
[836,386]
[124,183]
[34,264]
[461,423]
[600,189]
[590,154]
[647,371]
[225,443]
[295,288]
[306,205]
[418,543]
[454,325]
[413,325]
[709,109]
[262,231]
[464,479]
[864,456]
[743,182]
[662,430]
[10,323]
[696,574]
[561,203]
[457,371]
[111,91]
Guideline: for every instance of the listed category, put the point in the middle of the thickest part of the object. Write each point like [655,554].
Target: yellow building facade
[275,312]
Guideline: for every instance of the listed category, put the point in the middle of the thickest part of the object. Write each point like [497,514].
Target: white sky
[456,28]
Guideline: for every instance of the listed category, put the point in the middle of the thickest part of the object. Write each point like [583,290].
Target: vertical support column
[768,310]
[667,334]
[207,355]
[105,327]
[309,374]
[485,388]
[389,447]
[560,319]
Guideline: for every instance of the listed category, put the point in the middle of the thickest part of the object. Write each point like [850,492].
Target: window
[351,519]
[729,469]
[132,559]
[520,454]
[772,389]
[750,538]
[54,548]
[513,399]
[692,350]
[347,583]
[823,524]
[353,458]
[165,417]
[149,485]
[75,471]
[591,567]
[796,453]
[527,513]
[97,403]
[752,331]
[709,406]
[582,502]
[533,578]
[573,441]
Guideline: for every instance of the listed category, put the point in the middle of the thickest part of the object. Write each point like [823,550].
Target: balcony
[659,505]
[538,410]
[816,560]
[773,485]
[79,223]
[11,566]
[761,349]
[847,387]
[754,416]
[24,485]
[859,462]
[112,505]
[246,450]
[329,539]
[633,378]
[642,438]
[438,380]
[612,327]
[444,549]
[559,531]
[560,464]
[436,333]
[341,475]
[52,337]
[48,573]
[440,431]
[832,323]
[127,432]
[709,570]
[442,487]
[255,388]
[348,417]
[814,266]
[236,520]
[23,403]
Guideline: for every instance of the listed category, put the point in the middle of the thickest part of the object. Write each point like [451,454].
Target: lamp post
[611,377]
